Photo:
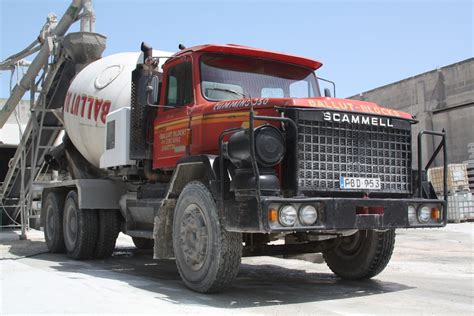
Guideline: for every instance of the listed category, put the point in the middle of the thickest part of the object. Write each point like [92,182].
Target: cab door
[172,123]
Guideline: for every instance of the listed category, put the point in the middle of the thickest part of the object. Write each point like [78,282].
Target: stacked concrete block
[470,166]
[457,178]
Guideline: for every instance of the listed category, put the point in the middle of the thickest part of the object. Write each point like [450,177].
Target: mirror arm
[331,82]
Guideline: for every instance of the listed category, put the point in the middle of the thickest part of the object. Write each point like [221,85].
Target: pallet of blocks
[470,166]
[460,200]
[457,178]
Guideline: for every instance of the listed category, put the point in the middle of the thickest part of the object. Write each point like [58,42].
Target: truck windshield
[225,77]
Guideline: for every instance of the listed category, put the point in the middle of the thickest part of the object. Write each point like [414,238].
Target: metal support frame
[33,139]
[291,249]
[331,82]
[441,146]
[30,145]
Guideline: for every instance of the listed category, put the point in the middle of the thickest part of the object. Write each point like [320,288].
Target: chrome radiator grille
[329,150]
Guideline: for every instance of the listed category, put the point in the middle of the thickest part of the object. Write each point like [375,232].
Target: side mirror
[147,90]
[327,92]
[152,93]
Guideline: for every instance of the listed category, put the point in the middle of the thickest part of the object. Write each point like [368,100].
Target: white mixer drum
[102,87]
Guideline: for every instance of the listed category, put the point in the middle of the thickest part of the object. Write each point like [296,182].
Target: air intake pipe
[269,145]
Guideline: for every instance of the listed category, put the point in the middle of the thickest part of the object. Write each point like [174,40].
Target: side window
[179,91]
[172,91]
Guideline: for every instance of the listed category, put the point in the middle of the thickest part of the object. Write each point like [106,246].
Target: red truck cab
[210,88]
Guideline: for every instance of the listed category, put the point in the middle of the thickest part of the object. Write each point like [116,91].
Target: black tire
[143,243]
[80,229]
[362,255]
[53,222]
[109,228]
[207,256]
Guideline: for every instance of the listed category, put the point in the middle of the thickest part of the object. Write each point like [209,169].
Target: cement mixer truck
[210,154]
[218,151]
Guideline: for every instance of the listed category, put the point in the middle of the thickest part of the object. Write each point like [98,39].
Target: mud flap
[162,230]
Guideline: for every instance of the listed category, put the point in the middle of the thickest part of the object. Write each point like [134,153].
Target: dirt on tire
[87,228]
[54,208]
[222,261]
[108,230]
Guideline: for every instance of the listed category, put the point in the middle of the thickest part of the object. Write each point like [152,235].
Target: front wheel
[362,255]
[207,256]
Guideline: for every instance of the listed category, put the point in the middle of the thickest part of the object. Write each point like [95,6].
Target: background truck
[223,151]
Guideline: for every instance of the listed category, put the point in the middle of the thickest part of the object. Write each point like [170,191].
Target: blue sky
[363,44]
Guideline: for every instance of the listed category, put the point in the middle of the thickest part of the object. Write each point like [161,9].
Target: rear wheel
[109,228]
[207,256]
[143,243]
[362,255]
[53,223]
[80,228]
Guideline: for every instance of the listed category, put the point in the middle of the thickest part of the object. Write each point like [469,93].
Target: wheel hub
[350,245]
[50,221]
[70,227]
[194,237]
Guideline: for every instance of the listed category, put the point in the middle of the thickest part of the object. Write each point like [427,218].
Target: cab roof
[253,52]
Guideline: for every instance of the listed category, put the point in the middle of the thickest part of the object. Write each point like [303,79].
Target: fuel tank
[100,88]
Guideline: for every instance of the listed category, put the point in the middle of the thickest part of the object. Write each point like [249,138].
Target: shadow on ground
[12,248]
[256,285]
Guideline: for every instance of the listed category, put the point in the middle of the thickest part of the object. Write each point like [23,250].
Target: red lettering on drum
[96,107]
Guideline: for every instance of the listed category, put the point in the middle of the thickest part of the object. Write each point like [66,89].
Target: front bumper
[354,213]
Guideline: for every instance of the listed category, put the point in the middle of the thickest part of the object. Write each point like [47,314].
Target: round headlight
[288,215]
[424,214]
[269,145]
[411,214]
[308,215]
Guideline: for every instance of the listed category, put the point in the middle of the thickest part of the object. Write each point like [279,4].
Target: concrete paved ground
[431,272]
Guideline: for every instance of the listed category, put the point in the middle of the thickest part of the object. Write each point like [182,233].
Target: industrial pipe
[40,60]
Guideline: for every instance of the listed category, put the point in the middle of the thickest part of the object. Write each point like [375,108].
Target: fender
[190,168]
[92,194]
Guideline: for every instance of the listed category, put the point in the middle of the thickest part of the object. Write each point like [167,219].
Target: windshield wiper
[229,90]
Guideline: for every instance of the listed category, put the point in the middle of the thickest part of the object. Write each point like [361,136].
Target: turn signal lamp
[272,215]
[435,213]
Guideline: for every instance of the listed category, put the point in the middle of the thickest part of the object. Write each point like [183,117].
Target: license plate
[359,183]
